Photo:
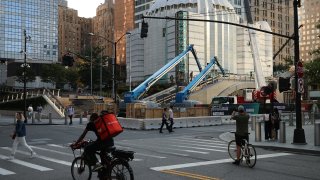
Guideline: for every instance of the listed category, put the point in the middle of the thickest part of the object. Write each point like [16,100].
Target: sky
[86,8]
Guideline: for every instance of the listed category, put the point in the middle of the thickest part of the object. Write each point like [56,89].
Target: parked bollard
[258,132]
[32,118]
[282,134]
[80,118]
[317,134]
[291,119]
[38,116]
[65,119]
[50,118]
[253,122]
[312,117]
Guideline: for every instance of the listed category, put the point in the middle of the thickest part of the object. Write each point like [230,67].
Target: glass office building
[40,20]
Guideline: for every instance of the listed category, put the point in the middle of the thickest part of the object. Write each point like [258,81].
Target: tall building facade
[141,8]
[103,26]
[309,35]
[40,20]
[279,15]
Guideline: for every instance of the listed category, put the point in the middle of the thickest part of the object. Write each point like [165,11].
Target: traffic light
[144,30]
[67,60]
[284,84]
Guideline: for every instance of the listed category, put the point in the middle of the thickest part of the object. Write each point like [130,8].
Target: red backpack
[108,126]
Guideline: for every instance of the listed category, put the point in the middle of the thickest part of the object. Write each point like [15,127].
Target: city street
[187,153]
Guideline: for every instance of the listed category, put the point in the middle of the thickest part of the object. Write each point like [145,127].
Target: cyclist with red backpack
[98,145]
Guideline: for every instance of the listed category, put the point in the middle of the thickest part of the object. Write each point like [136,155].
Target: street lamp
[25,65]
[91,65]
[114,60]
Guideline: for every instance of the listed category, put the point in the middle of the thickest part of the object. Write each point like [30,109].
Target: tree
[72,77]
[30,75]
[53,73]
[312,71]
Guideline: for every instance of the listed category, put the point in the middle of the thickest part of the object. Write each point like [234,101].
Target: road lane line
[6,172]
[41,139]
[27,164]
[43,157]
[200,140]
[204,145]
[190,175]
[207,149]
[222,143]
[203,163]
[59,146]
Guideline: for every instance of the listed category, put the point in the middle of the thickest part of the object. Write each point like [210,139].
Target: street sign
[300,69]
[300,85]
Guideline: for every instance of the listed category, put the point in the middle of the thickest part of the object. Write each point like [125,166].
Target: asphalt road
[187,153]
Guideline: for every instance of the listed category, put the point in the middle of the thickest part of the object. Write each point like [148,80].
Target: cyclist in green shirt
[242,120]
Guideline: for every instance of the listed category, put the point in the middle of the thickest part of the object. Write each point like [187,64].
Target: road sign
[300,85]
[300,69]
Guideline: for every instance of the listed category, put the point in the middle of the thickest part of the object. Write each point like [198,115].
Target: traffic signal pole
[299,136]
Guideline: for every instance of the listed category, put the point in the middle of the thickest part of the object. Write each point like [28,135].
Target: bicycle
[247,151]
[115,163]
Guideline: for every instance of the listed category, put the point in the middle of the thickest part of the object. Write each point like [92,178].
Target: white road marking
[203,163]
[201,142]
[41,139]
[207,149]
[43,157]
[59,146]
[50,150]
[6,172]
[148,155]
[203,145]
[27,164]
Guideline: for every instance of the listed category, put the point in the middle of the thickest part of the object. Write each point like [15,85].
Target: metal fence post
[50,118]
[80,118]
[258,132]
[317,134]
[291,119]
[253,122]
[282,138]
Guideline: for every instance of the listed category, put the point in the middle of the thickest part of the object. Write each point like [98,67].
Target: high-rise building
[141,7]
[309,17]
[279,15]
[40,21]
[103,26]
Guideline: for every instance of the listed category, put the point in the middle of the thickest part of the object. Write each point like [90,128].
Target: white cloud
[86,8]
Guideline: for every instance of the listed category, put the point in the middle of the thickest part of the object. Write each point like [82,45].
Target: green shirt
[242,121]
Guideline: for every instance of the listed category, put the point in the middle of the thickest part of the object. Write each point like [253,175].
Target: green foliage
[53,73]
[30,74]
[312,71]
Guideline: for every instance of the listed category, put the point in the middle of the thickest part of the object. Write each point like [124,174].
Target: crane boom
[184,94]
[144,86]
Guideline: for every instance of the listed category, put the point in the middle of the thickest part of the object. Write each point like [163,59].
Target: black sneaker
[236,162]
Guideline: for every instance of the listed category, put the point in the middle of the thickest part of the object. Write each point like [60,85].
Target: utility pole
[299,136]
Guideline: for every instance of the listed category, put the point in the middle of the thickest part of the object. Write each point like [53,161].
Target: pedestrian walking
[39,110]
[267,127]
[171,118]
[275,123]
[30,112]
[70,113]
[164,120]
[19,136]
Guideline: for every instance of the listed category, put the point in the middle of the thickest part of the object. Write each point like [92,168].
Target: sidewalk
[287,146]
[9,120]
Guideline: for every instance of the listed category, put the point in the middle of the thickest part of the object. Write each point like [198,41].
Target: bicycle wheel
[232,149]
[80,170]
[121,170]
[251,159]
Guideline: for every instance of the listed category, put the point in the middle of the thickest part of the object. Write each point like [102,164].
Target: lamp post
[91,66]
[114,60]
[25,65]
[130,63]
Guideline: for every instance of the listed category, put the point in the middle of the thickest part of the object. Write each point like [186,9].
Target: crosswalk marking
[6,172]
[186,165]
[50,150]
[43,157]
[207,149]
[200,142]
[27,164]
[222,147]
[59,146]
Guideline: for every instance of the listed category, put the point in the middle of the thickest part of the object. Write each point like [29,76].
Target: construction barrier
[212,121]
[180,123]
[152,123]
[195,122]
[131,123]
